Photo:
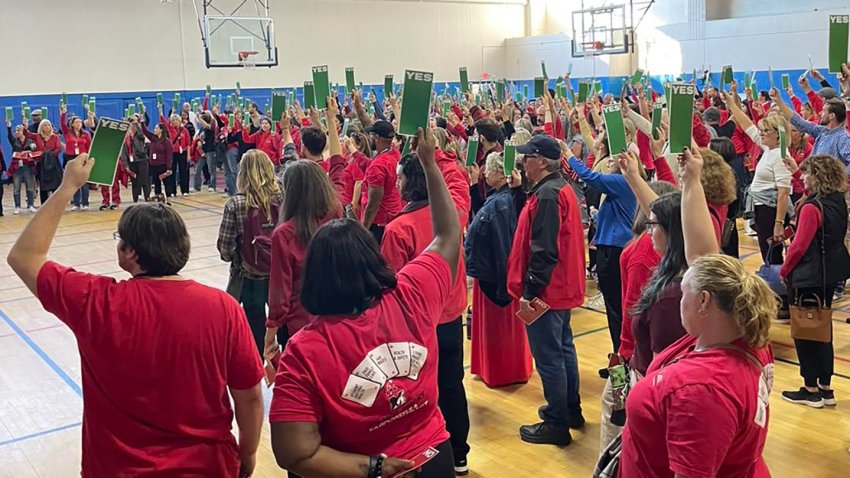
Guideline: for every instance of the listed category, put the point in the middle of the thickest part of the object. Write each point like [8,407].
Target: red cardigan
[74,144]
[637,263]
[51,144]
[268,143]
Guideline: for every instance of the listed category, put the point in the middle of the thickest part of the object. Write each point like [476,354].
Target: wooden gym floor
[41,399]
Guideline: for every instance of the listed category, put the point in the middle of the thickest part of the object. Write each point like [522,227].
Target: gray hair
[521,136]
[174,116]
[553,165]
[495,163]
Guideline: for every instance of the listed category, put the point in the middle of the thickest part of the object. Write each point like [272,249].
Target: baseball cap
[543,145]
[36,111]
[382,128]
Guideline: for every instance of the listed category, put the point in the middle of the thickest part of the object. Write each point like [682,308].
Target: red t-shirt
[637,262]
[155,376]
[702,416]
[381,173]
[370,381]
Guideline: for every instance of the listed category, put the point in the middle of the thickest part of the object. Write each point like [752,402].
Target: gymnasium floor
[41,399]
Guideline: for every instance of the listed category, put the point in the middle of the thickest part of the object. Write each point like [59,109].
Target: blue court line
[46,358]
[39,434]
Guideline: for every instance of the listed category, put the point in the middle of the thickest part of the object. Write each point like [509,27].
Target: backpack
[256,247]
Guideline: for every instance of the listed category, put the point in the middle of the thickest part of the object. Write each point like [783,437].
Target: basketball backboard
[600,31]
[226,37]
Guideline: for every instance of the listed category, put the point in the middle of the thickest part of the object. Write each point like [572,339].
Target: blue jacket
[488,244]
[614,221]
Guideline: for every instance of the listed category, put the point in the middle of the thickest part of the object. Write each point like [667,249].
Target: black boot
[545,434]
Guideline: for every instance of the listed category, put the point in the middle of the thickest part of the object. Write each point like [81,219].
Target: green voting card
[416,102]
[583,91]
[159,98]
[464,79]
[648,92]
[510,157]
[106,149]
[748,79]
[727,75]
[543,69]
[500,91]
[786,81]
[85,99]
[681,111]
[349,79]
[657,109]
[93,105]
[10,113]
[44,112]
[597,87]
[388,85]
[131,109]
[230,120]
[539,85]
[614,129]
[278,105]
[770,77]
[525,91]
[64,99]
[783,142]
[637,76]
[839,37]
[26,112]
[309,95]
[321,86]
[471,151]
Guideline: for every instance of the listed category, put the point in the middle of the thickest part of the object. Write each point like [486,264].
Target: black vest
[809,272]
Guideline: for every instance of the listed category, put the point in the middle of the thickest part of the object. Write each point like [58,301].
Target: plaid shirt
[232,225]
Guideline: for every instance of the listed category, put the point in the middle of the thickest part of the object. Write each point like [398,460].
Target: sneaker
[804,397]
[17,211]
[576,420]
[838,295]
[185,194]
[545,434]
[461,467]
[75,208]
[33,209]
[84,208]
[212,190]
[828,397]
[197,190]
[103,207]
[226,196]
[113,207]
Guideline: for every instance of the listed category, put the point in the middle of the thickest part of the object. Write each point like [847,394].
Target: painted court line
[42,354]
[40,434]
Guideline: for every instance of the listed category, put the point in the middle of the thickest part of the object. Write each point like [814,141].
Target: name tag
[181,149]
[77,150]
[20,163]
[132,158]
[154,155]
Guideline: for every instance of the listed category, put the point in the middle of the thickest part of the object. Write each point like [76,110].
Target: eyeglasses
[768,130]
[650,225]
[116,236]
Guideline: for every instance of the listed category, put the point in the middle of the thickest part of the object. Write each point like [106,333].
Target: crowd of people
[361,253]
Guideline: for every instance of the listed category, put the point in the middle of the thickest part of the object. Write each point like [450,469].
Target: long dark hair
[344,271]
[668,210]
[308,198]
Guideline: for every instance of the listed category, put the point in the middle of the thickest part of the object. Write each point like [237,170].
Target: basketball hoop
[246,60]
[592,48]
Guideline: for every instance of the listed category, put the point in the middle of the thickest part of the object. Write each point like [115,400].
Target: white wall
[142,45]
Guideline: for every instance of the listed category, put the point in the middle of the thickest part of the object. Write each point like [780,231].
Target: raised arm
[630,167]
[444,221]
[697,227]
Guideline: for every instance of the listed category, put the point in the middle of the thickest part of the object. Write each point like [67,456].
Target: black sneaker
[576,419]
[113,207]
[103,207]
[804,397]
[828,397]
[545,434]
[461,467]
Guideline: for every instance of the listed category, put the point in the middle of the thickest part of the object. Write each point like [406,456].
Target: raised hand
[77,171]
[690,165]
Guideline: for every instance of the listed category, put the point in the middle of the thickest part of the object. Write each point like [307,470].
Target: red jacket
[637,263]
[547,255]
[354,171]
[457,182]
[179,136]
[268,143]
[51,144]
[74,144]
[799,155]
[701,134]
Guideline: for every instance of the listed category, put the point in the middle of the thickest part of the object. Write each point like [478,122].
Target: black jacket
[809,273]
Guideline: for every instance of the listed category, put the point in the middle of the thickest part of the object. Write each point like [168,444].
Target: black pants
[377,232]
[255,293]
[142,182]
[731,248]
[442,465]
[180,170]
[816,358]
[610,284]
[591,253]
[155,171]
[44,194]
[765,219]
[452,399]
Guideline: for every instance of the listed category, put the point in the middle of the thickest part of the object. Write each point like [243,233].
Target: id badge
[132,158]
[181,149]
[77,150]
[154,155]
[20,163]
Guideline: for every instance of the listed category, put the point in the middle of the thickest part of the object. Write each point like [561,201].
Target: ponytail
[755,309]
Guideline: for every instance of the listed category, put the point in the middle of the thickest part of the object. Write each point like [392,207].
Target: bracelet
[779,222]
[376,466]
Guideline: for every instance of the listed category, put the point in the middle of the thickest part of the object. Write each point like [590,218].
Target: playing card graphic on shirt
[401,357]
[360,390]
[370,371]
[418,355]
[383,358]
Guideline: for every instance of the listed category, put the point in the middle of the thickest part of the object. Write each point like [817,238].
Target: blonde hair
[718,179]
[257,181]
[827,173]
[631,130]
[495,163]
[746,297]
[521,136]
[773,121]
[44,123]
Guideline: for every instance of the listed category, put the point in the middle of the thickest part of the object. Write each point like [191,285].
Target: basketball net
[246,59]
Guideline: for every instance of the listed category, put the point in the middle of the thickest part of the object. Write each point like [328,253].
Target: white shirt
[771,173]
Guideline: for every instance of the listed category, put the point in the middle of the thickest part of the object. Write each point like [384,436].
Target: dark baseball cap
[382,128]
[543,145]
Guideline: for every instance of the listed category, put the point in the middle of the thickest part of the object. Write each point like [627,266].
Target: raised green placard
[500,91]
[471,151]
[64,99]
[159,98]
[349,79]
[321,86]
[209,90]
[583,91]
[539,86]
[839,37]
[106,149]
[44,112]
[416,102]
[345,124]
[770,77]
[648,92]
[10,113]
[510,157]
[309,95]
[278,105]
[85,99]
[93,105]
[681,112]
[657,109]
[615,132]
[728,76]
[238,86]
[786,81]
[174,103]
[597,87]
[464,79]
[637,76]
[543,69]
[525,91]
[131,109]
[388,85]
[748,79]
[783,142]
[25,111]
[230,120]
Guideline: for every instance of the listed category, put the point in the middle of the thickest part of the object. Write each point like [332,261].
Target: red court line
[791,346]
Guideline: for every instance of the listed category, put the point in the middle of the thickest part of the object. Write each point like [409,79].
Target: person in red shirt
[357,147]
[77,141]
[356,389]
[799,148]
[703,408]
[265,139]
[380,198]
[161,149]
[48,171]
[170,416]
[546,265]
[180,142]
[405,238]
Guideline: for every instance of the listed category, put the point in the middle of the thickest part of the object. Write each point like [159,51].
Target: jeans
[24,175]
[610,284]
[551,340]
[209,160]
[452,400]
[81,197]
[231,167]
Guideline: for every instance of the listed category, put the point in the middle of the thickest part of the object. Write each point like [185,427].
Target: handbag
[770,272]
[813,321]
[608,465]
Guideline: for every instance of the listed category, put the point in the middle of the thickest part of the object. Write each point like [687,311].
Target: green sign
[416,102]
[321,86]
[510,157]
[543,69]
[539,86]
[471,151]
[349,79]
[638,76]
[839,37]
[278,105]
[388,85]
[656,118]
[786,81]
[464,80]
[64,99]
[681,112]
[106,149]
[583,91]
[309,95]
[615,132]
[727,76]
[783,142]
[10,113]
